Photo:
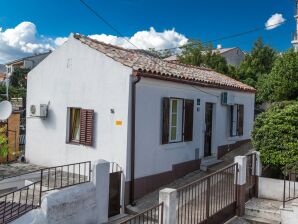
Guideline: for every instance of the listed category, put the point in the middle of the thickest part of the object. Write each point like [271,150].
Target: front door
[208,129]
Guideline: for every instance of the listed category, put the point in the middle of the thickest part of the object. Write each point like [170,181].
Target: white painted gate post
[101,180]
[169,198]
[241,184]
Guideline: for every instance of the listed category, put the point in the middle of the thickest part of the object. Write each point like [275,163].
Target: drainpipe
[133,135]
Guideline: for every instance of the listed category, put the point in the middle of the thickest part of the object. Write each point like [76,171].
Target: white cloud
[274,21]
[23,40]
[145,39]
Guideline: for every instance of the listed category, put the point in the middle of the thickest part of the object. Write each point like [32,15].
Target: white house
[156,119]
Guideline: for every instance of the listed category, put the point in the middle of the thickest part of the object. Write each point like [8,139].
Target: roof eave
[166,77]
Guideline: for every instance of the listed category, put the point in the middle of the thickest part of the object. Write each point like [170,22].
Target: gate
[251,179]
[211,199]
[115,189]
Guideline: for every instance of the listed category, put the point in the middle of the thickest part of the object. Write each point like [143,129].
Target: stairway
[209,161]
[263,211]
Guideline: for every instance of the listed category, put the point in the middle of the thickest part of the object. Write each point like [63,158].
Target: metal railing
[153,215]
[64,176]
[290,191]
[201,200]
[18,202]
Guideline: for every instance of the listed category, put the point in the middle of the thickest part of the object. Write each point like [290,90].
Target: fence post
[241,184]
[169,198]
[101,180]
[258,172]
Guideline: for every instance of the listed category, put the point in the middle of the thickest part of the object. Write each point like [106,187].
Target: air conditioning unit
[227,98]
[40,110]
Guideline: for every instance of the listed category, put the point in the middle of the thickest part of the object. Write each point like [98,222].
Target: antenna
[5,110]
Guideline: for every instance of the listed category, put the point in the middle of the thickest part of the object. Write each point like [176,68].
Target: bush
[275,134]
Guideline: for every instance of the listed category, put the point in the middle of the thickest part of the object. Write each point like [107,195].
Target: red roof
[147,65]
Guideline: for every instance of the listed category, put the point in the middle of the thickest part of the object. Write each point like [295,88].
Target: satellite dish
[5,110]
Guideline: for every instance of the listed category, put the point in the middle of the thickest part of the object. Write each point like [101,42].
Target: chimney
[219,46]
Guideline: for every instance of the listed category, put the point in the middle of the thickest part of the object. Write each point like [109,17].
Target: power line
[190,44]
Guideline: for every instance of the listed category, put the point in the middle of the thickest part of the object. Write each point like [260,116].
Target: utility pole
[295,36]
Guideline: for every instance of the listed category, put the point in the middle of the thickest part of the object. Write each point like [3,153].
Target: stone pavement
[151,199]
[17,168]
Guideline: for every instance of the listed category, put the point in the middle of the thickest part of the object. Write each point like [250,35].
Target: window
[236,120]
[80,129]
[177,122]
[75,120]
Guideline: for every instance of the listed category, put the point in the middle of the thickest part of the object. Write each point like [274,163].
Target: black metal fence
[203,200]
[153,215]
[64,176]
[290,191]
[18,202]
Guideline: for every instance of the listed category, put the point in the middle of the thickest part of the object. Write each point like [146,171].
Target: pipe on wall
[133,133]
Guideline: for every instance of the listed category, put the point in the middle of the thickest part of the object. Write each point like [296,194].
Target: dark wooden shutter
[165,120]
[231,120]
[188,120]
[86,128]
[240,120]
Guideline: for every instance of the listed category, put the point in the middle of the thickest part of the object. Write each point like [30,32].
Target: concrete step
[264,209]
[209,161]
[257,220]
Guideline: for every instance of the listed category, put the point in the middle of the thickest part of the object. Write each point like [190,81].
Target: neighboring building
[158,120]
[295,36]
[2,73]
[234,56]
[27,62]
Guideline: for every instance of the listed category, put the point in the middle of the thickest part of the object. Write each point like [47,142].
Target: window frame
[69,137]
[234,120]
[178,129]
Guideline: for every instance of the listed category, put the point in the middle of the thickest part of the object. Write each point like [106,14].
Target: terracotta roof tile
[143,62]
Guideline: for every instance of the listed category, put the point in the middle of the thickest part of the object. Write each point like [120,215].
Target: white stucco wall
[73,205]
[276,189]
[151,156]
[234,56]
[77,76]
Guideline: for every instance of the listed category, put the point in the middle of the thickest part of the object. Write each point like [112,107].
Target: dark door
[208,129]
[115,193]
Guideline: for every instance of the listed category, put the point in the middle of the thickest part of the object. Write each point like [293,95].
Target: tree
[282,82]
[191,53]
[215,61]
[275,134]
[162,54]
[257,63]
[195,53]
[18,78]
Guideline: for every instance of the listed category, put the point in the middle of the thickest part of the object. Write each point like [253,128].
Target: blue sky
[204,20]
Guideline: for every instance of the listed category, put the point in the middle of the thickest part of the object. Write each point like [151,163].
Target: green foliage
[282,82]
[258,62]
[215,61]
[15,92]
[18,78]
[2,92]
[3,144]
[275,134]
[192,53]
[160,54]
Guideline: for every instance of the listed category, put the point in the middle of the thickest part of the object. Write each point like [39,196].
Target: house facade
[158,120]
[27,62]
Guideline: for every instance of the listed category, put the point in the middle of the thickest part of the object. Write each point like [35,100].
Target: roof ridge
[137,60]
[77,36]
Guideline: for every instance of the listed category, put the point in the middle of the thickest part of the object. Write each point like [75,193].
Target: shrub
[275,134]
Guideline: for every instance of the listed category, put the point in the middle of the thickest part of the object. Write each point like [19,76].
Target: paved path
[151,199]
[17,168]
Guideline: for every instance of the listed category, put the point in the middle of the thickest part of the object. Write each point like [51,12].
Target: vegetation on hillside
[275,134]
